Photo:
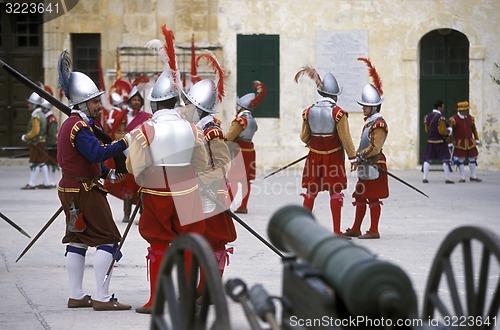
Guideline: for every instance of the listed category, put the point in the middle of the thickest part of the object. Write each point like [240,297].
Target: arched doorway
[444,74]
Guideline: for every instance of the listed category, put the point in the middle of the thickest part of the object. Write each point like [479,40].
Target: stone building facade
[394,30]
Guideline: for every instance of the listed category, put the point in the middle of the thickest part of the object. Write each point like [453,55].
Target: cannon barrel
[367,286]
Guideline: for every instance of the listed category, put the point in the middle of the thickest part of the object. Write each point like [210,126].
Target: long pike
[13,224]
[47,225]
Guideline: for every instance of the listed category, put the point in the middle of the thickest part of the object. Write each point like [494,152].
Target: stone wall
[394,32]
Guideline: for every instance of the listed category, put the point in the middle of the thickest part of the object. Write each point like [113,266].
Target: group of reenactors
[183,170]
[453,142]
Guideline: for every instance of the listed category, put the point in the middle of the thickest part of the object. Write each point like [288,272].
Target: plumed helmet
[251,100]
[370,96]
[116,99]
[163,89]
[81,88]
[330,85]
[203,95]
[46,104]
[245,100]
[35,99]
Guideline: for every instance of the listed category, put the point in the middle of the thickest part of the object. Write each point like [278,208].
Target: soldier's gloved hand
[23,138]
[478,142]
[450,145]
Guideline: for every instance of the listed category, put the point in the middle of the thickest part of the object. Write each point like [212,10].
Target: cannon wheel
[473,301]
[185,311]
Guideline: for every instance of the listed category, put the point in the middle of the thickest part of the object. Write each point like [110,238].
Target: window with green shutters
[258,59]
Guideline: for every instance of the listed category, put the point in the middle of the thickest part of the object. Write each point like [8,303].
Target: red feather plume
[214,64]
[170,50]
[142,79]
[311,73]
[372,72]
[261,93]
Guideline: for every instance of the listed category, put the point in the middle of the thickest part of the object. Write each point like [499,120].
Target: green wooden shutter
[258,59]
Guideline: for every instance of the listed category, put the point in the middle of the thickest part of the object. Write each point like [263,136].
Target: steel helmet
[46,104]
[35,99]
[135,91]
[251,100]
[370,96]
[330,85]
[81,88]
[245,100]
[203,95]
[163,89]
[116,99]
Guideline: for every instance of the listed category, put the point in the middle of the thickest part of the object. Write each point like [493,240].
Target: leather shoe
[425,181]
[352,233]
[242,211]
[475,180]
[341,235]
[86,301]
[461,180]
[28,187]
[111,305]
[144,310]
[449,181]
[369,235]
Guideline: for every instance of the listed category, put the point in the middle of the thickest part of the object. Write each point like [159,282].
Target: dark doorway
[21,46]
[444,74]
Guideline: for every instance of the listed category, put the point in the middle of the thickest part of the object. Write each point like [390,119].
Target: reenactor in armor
[437,142]
[89,221]
[51,141]
[465,141]
[164,156]
[372,183]
[241,132]
[35,137]
[325,131]
[201,100]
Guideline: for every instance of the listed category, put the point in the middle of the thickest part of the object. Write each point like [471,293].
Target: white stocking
[34,175]
[426,167]
[75,264]
[45,172]
[446,169]
[472,168]
[102,260]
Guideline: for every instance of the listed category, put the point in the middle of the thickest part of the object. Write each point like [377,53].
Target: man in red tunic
[241,132]
[219,226]
[325,131]
[89,221]
[372,185]
[166,171]
[465,141]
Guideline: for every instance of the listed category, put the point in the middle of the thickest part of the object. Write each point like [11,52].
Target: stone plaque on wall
[336,52]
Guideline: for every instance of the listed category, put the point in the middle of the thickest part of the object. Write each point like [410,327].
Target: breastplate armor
[173,140]
[320,118]
[248,133]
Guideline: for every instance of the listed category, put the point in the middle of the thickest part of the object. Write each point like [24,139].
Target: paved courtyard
[34,290]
